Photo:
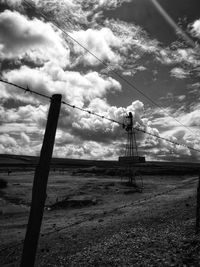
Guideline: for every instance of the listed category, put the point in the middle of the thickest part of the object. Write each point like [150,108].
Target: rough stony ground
[163,239]
[155,232]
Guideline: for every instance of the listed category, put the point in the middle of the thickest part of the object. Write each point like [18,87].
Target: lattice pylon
[131,145]
[130,150]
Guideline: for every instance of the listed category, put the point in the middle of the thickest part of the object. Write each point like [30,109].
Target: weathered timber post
[198,208]
[40,185]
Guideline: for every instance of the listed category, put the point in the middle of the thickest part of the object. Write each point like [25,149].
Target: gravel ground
[159,232]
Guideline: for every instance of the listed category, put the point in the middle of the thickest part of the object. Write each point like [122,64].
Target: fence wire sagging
[139,129]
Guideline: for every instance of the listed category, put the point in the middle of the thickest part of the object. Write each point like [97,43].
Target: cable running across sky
[55,23]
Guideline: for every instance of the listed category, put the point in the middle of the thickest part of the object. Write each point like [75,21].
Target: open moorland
[93,218]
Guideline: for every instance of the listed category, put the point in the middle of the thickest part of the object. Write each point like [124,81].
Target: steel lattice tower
[131,145]
[131,157]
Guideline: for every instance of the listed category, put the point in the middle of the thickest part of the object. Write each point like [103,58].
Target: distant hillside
[19,162]
[16,159]
[7,160]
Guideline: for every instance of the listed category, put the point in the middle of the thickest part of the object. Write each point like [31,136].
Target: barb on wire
[27,89]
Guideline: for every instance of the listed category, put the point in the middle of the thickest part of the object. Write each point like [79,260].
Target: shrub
[3,183]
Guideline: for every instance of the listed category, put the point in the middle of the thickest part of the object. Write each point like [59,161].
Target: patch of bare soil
[74,202]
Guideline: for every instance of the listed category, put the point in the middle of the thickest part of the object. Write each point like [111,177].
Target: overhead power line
[55,23]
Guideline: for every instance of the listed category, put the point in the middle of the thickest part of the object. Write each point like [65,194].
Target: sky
[130,36]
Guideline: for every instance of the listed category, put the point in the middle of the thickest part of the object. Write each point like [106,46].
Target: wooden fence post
[40,185]
[198,208]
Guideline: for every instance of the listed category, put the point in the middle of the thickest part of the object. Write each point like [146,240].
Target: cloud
[24,114]
[18,144]
[195,28]
[194,88]
[25,138]
[130,72]
[135,44]
[21,37]
[98,129]
[99,42]
[163,150]
[191,118]
[85,90]
[179,73]
[181,97]
[7,140]
[112,4]
[178,55]
[21,129]
[76,14]
[87,150]
[186,133]
[117,43]
[70,14]
[76,88]
[12,3]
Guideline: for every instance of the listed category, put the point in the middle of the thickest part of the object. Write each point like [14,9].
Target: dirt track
[154,230]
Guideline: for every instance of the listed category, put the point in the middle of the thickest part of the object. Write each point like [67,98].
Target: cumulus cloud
[87,150]
[163,150]
[18,144]
[102,130]
[12,3]
[34,39]
[85,90]
[191,118]
[195,28]
[25,138]
[186,133]
[24,114]
[178,55]
[181,97]
[100,42]
[112,4]
[179,73]
[7,140]
[118,43]
[76,87]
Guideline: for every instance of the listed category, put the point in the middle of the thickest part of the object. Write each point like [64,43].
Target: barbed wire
[123,125]
[139,129]
[56,23]
[27,89]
